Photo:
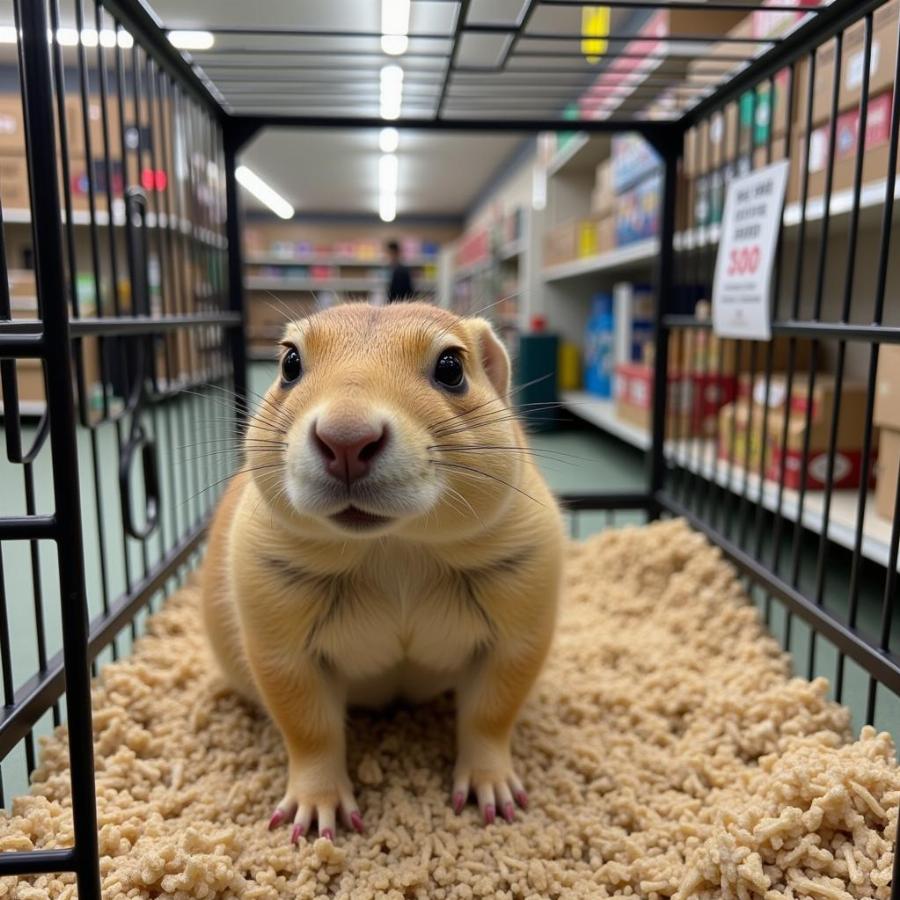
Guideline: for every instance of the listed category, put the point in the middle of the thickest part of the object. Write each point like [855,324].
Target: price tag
[742,287]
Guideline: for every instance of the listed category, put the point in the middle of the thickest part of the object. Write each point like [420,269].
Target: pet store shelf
[82,217]
[264,283]
[871,206]
[602,413]
[633,256]
[580,154]
[473,269]
[512,250]
[700,458]
[330,259]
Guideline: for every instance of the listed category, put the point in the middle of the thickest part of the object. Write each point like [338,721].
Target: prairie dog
[388,536]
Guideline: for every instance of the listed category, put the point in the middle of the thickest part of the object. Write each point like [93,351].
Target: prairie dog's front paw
[491,778]
[317,793]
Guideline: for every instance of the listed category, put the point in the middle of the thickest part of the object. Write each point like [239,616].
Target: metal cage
[125,362]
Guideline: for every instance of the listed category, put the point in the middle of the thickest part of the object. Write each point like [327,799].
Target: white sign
[742,288]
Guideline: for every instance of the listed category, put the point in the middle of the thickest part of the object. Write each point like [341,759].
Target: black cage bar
[122,313]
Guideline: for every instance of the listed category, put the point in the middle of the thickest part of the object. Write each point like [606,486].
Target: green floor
[575,459]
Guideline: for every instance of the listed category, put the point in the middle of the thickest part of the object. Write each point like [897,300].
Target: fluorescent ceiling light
[391,91]
[394,26]
[387,174]
[68,37]
[250,181]
[192,40]
[387,187]
[388,140]
[387,207]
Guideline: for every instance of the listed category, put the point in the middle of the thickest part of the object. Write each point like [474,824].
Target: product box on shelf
[598,347]
[887,418]
[561,243]
[12,124]
[266,318]
[740,436]
[820,408]
[887,468]
[633,159]
[887,391]
[30,373]
[882,66]
[693,401]
[637,212]
[875,157]
[14,183]
[603,195]
[578,238]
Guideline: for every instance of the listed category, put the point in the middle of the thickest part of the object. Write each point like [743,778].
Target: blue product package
[637,212]
[633,159]
[598,350]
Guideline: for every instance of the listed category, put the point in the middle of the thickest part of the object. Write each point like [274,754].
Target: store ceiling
[334,171]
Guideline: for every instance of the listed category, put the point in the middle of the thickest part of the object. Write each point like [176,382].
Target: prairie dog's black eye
[291,367]
[448,371]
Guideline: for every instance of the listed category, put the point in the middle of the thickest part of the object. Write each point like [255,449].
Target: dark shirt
[401,286]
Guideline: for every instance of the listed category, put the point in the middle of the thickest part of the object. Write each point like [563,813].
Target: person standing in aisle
[401,285]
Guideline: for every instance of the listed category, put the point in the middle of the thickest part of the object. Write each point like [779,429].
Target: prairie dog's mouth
[357,519]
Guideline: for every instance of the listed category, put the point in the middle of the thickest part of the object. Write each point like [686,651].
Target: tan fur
[459,592]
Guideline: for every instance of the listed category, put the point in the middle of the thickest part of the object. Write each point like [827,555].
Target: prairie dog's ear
[492,354]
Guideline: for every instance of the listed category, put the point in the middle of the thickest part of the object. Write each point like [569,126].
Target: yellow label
[594,31]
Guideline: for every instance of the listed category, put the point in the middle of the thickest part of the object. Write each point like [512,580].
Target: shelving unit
[337,285]
[698,456]
[632,256]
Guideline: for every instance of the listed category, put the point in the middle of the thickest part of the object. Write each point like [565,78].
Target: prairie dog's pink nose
[348,449]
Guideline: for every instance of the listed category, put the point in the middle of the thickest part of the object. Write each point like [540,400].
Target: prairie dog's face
[387,420]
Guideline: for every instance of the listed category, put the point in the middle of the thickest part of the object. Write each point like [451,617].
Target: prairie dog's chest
[404,617]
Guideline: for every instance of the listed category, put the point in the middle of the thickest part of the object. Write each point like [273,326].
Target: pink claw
[521,799]
[509,812]
[459,801]
[277,819]
[490,813]
[328,834]
[298,832]
[356,821]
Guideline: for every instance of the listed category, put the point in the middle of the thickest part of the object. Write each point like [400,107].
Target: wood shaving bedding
[666,751]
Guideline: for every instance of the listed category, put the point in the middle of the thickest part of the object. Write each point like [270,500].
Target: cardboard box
[14,183]
[22,284]
[693,402]
[851,427]
[606,234]
[743,420]
[603,196]
[266,318]
[886,469]
[633,160]
[30,374]
[577,238]
[638,212]
[561,243]
[12,124]
[882,66]
[875,158]
[887,389]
